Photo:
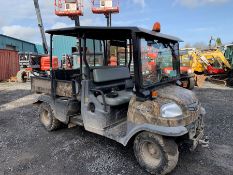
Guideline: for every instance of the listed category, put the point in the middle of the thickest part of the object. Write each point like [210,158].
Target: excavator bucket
[200,80]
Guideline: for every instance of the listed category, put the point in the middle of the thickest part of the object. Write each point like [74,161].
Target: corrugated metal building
[9,48]
[39,49]
[62,45]
[10,43]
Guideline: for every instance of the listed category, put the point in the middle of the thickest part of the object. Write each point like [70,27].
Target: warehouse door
[10,47]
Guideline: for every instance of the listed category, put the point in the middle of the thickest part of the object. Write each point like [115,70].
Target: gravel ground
[27,148]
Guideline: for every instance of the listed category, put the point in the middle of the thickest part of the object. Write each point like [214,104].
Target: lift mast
[106,7]
[41,26]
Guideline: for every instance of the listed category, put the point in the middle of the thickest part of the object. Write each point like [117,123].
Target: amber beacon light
[157,27]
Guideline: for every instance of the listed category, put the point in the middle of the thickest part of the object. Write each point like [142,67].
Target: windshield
[185,60]
[158,62]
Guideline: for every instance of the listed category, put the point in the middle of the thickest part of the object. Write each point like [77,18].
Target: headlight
[171,110]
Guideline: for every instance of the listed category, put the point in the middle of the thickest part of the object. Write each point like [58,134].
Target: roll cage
[123,37]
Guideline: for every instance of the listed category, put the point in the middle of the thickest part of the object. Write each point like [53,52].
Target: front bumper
[195,133]
[196,140]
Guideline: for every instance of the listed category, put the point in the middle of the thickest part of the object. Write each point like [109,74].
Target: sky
[194,21]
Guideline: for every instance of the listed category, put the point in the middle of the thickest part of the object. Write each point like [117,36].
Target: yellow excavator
[211,63]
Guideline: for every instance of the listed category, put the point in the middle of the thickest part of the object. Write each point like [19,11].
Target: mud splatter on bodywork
[149,111]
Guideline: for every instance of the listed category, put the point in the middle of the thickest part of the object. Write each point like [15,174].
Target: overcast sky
[192,20]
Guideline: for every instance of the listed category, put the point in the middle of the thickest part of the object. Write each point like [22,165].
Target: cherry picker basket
[70,8]
[105,6]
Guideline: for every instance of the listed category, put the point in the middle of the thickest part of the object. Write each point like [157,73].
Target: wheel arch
[160,130]
[43,99]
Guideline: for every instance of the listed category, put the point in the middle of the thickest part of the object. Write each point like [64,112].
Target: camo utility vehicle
[133,100]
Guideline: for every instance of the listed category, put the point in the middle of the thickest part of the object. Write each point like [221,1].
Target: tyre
[156,154]
[191,83]
[47,118]
[229,82]
[21,76]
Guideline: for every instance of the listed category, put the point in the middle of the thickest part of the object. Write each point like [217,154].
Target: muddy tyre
[191,83]
[47,118]
[21,76]
[156,154]
[229,82]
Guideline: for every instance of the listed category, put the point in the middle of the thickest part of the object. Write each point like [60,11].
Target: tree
[200,45]
[218,42]
[187,45]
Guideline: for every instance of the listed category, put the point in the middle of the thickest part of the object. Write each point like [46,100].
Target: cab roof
[114,33]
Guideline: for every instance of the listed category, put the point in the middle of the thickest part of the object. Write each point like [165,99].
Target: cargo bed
[43,85]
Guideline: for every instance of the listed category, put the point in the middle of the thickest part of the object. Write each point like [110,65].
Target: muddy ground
[27,148]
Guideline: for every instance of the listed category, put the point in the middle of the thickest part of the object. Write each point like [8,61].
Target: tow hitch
[204,142]
[200,139]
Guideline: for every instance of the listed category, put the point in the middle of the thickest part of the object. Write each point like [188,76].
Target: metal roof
[227,45]
[7,42]
[116,33]
[16,39]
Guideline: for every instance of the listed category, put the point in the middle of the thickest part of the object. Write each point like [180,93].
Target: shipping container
[9,64]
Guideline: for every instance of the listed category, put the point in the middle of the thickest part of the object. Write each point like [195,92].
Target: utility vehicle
[128,102]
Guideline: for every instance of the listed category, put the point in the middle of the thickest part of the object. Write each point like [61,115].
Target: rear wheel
[21,76]
[47,118]
[155,153]
[191,83]
[229,81]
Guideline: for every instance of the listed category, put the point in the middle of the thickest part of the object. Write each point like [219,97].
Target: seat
[122,98]
[108,74]
[113,75]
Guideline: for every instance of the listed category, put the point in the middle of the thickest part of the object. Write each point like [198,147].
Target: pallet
[12,79]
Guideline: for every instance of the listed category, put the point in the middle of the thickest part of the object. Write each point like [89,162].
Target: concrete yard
[27,148]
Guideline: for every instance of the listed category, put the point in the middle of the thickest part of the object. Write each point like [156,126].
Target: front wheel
[156,154]
[21,76]
[47,118]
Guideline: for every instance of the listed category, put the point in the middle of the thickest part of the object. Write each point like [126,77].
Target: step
[117,131]
[77,120]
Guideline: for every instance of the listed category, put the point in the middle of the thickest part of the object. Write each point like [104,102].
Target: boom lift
[69,8]
[72,9]
[41,26]
[106,7]
[33,63]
